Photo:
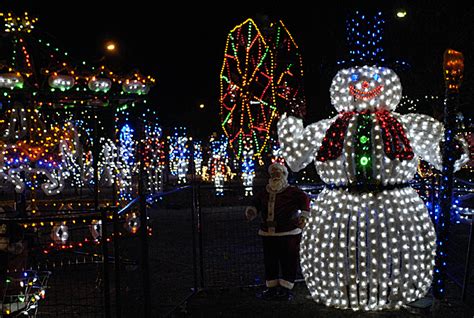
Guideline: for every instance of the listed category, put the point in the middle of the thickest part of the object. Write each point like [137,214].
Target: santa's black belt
[367,187]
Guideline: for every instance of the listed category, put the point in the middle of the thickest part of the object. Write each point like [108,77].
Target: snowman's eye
[376,77]
[354,77]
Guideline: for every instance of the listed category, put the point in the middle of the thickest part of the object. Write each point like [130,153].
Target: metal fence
[148,258]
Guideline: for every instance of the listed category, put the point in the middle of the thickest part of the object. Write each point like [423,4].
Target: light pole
[453,75]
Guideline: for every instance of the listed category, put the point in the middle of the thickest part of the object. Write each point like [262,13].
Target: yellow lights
[401,13]
[110,47]
[453,65]
[14,23]
[201,106]
[252,59]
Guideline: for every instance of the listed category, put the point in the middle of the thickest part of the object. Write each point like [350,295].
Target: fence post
[200,233]
[453,73]
[105,263]
[194,206]
[144,225]
[118,300]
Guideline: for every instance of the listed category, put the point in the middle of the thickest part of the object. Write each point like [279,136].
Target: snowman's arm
[426,134]
[298,144]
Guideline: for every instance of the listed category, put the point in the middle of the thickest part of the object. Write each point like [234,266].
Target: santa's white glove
[251,213]
[302,219]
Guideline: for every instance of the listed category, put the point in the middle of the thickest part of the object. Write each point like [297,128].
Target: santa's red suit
[282,211]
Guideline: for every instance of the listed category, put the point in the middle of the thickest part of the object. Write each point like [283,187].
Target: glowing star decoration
[261,76]
[61,82]
[102,85]
[369,243]
[11,81]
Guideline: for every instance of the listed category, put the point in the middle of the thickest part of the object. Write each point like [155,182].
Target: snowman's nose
[365,84]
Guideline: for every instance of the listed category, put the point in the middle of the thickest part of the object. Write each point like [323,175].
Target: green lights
[364,160]
[363,139]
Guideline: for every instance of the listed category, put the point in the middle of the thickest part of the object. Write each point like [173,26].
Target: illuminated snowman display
[369,243]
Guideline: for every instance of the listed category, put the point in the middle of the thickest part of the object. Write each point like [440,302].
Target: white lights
[60,234]
[365,88]
[61,82]
[11,80]
[99,84]
[365,248]
[135,87]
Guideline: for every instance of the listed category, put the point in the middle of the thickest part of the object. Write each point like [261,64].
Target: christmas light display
[218,161]
[35,142]
[365,38]
[60,234]
[132,222]
[108,162]
[369,243]
[261,77]
[99,84]
[179,153]
[23,292]
[54,127]
[276,154]
[11,80]
[29,149]
[127,162]
[248,168]
[154,158]
[453,71]
[198,157]
[96,229]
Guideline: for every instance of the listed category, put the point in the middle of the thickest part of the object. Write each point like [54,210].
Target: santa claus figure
[283,209]
[369,243]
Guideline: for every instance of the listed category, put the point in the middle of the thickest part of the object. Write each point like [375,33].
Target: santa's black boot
[268,293]
[285,294]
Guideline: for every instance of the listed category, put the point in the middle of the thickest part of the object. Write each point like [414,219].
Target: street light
[401,13]
[110,46]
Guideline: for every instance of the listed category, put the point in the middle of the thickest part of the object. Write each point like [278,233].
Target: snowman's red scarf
[396,143]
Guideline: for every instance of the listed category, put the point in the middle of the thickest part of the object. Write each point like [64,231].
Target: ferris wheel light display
[261,77]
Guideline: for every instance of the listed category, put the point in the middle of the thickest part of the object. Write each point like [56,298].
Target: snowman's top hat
[365,35]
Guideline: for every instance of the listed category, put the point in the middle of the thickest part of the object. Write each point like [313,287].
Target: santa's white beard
[277,184]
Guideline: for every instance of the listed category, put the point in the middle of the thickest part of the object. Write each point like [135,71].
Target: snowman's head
[365,88]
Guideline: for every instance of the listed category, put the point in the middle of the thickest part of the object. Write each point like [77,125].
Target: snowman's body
[369,243]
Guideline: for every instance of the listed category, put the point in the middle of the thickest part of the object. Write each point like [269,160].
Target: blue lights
[365,37]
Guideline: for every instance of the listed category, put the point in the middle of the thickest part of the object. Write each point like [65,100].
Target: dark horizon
[183,48]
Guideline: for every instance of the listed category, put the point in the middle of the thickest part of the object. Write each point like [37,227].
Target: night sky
[183,47]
